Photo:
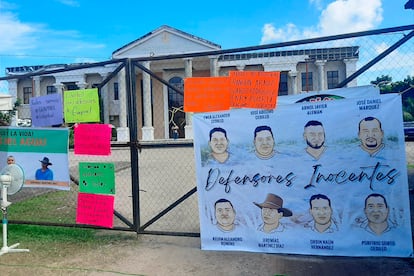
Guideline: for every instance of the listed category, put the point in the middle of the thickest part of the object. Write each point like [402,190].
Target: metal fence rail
[156,181]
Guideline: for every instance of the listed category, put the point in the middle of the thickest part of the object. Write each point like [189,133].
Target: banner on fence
[319,178]
[41,152]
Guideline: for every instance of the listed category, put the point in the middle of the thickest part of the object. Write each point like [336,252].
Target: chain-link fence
[155,170]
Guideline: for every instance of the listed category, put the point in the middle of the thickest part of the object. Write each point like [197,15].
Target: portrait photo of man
[218,143]
[272,211]
[321,211]
[314,135]
[225,215]
[264,142]
[371,135]
[44,173]
[376,210]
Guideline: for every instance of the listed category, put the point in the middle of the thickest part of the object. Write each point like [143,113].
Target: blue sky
[69,31]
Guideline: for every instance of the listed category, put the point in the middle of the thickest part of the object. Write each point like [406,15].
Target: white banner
[319,178]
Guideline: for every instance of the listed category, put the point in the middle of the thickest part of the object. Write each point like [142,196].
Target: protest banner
[32,147]
[318,178]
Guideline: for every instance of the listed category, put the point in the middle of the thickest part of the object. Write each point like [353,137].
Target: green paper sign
[97,178]
[81,106]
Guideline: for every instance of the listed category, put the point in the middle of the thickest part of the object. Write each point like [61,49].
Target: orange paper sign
[254,89]
[206,94]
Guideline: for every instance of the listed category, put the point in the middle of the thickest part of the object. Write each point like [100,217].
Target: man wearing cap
[44,173]
[272,212]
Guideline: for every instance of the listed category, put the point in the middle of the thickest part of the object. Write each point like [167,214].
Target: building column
[188,129]
[13,91]
[214,69]
[59,88]
[36,86]
[321,74]
[105,100]
[122,132]
[240,67]
[293,81]
[82,85]
[350,68]
[147,128]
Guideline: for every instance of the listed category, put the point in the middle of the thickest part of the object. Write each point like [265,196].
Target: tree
[6,116]
[405,87]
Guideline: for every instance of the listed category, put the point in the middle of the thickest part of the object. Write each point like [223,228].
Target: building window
[71,86]
[27,94]
[50,89]
[283,84]
[175,108]
[333,79]
[307,81]
[116,91]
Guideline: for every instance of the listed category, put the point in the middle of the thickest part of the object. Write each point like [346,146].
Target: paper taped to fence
[318,178]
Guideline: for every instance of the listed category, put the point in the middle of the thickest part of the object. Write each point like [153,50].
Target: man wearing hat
[44,173]
[272,212]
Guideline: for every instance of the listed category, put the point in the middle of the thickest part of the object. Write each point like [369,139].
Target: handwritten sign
[97,178]
[46,110]
[92,139]
[206,94]
[81,106]
[95,210]
[254,89]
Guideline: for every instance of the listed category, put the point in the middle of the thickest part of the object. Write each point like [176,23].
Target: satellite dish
[13,176]
[11,181]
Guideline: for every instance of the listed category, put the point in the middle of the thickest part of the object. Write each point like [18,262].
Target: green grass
[52,207]
[56,241]
[51,234]
[45,234]
[52,241]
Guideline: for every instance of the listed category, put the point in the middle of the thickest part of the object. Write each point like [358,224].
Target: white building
[301,71]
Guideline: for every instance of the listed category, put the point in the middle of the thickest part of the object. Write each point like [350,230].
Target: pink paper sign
[92,139]
[95,209]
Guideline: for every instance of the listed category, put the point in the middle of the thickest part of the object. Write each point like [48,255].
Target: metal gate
[155,178]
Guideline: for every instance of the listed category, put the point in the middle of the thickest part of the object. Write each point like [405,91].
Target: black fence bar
[169,208]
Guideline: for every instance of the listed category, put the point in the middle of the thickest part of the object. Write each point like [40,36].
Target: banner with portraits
[317,178]
[42,153]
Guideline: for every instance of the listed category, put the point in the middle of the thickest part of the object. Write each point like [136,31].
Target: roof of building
[166,28]
[337,53]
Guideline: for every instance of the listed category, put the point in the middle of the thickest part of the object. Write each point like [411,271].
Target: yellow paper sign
[81,106]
